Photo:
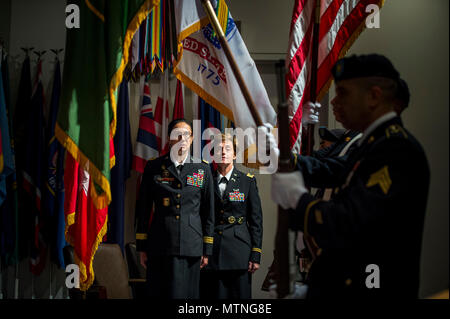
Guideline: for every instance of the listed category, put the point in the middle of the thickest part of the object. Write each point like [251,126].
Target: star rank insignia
[382,178]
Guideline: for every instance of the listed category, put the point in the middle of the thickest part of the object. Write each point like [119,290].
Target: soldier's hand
[271,146]
[310,113]
[287,189]
[143,259]
[203,262]
[271,141]
[252,267]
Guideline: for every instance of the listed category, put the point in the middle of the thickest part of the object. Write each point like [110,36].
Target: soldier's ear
[375,96]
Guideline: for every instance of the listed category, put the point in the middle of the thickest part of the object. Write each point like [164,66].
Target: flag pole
[313,88]
[1,269]
[281,254]
[50,296]
[237,73]
[16,282]
[310,244]
[32,286]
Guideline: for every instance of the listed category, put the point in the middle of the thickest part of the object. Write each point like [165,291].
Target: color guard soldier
[329,137]
[369,235]
[327,167]
[238,230]
[175,242]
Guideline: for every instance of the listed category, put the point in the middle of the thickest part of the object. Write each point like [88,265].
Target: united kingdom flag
[147,138]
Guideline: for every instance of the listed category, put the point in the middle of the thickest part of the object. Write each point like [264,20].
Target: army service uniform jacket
[327,168]
[238,223]
[182,223]
[370,233]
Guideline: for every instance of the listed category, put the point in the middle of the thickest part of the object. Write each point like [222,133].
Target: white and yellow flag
[203,66]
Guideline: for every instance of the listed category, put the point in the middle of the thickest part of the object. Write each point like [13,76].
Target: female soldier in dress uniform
[238,230]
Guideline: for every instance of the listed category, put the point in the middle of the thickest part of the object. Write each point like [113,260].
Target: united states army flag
[203,67]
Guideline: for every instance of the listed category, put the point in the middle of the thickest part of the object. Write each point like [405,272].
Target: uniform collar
[182,163]
[379,121]
[227,176]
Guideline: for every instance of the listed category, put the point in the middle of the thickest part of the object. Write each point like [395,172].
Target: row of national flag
[8,202]
[31,200]
[91,125]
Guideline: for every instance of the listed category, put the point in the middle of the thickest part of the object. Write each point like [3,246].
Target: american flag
[341,22]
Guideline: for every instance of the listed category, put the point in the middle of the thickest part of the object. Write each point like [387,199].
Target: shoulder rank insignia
[205,161]
[395,129]
[250,175]
[382,178]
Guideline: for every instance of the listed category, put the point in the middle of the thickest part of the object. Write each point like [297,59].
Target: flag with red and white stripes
[341,22]
[147,139]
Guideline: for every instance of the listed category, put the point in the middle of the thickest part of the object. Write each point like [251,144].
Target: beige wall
[413,34]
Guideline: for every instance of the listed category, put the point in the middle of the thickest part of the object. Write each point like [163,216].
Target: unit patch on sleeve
[382,178]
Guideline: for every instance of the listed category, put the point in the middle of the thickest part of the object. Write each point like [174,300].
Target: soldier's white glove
[300,291]
[272,146]
[310,113]
[287,188]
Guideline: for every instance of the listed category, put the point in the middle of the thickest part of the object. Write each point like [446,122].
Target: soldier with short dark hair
[177,239]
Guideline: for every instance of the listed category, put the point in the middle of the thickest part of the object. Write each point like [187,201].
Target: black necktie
[179,168]
[223,180]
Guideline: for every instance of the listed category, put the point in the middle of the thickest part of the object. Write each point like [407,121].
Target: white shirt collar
[228,176]
[182,163]
[382,119]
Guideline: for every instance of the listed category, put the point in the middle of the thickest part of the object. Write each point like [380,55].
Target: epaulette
[395,130]
[205,161]
[250,175]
